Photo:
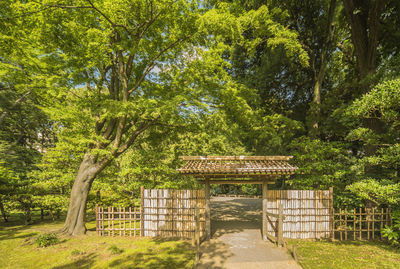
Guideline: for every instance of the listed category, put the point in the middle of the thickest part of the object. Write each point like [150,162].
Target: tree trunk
[75,220]
[3,212]
[319,77]
[28,215]
[363,18]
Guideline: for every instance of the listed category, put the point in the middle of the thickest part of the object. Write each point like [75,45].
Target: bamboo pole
[112,221]
[264,209]
[332,217]
[354,223]
[373,223]
[280,226]
[197,233]
[97,219]
[208,209]
[360,224]
[142,207]
[368,211]
[108,221]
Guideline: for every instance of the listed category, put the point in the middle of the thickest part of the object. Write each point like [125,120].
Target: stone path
[236,238]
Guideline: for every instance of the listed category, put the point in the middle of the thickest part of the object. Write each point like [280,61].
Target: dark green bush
[45,240]
[115,250]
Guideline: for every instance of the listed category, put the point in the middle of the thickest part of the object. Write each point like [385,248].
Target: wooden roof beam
[235,181]
[227,158]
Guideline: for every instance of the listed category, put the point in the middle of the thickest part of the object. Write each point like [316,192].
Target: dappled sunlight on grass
[346,254]
[18,250]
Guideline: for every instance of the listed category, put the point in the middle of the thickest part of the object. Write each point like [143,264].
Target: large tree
[119,68]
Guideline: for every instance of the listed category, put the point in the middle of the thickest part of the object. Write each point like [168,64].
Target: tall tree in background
[364,20]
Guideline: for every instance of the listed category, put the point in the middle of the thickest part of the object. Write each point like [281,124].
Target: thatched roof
[236,166]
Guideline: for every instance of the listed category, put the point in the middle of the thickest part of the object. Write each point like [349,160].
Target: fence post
[332,214]
[197,232]
[207,208]
[280,226]
[97,219]
[142,211]
[264,209]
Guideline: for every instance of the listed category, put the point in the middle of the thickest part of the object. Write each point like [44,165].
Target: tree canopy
[99,97]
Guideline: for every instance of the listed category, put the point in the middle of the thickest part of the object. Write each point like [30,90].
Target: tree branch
[142,127]
[4,114]
[151,65]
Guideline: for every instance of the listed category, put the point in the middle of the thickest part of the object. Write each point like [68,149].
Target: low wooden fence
[121,221]
[360,223]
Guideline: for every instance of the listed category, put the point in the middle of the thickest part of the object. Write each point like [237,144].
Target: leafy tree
[116,76]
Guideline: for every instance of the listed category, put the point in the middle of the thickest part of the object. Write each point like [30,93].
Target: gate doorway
[235,214]
[226,169]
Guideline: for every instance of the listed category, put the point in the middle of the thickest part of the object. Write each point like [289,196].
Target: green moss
[346,254]
[18,250]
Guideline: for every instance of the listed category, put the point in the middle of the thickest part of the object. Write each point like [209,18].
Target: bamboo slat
[307,213]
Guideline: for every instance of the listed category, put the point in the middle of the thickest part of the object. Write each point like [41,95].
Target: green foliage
[76,252]
[115,250]
[46,240]
[321,164]
[392,233]
[383,192]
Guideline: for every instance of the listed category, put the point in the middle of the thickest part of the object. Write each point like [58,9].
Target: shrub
[115,250]
[45,240]
[76,252]
[392,233]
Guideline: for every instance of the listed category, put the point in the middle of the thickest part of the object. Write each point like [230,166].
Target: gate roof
[236,166]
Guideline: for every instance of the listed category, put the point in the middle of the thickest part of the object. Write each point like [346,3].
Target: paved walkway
[236,238]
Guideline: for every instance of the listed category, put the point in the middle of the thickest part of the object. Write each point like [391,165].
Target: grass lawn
[17,250]
[346,254]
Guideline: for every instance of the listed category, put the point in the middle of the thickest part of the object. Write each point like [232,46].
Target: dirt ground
[236,238]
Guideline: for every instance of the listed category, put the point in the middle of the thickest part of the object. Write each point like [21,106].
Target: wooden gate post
[332,214]
[97,220]
[264,209]
[197,233]
[142,211]
[208,208]
[280,226]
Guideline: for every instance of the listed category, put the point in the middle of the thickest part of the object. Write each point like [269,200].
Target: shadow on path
[236,238]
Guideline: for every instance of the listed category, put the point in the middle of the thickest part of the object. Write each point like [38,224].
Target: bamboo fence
[171,213]
[360,223]
[118,221]
[307,213]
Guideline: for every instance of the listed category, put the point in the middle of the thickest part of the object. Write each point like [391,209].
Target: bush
[45,240]
[115,250]
[76,252]
[392,233]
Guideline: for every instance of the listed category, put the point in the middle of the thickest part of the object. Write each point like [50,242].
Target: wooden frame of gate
[250,169]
